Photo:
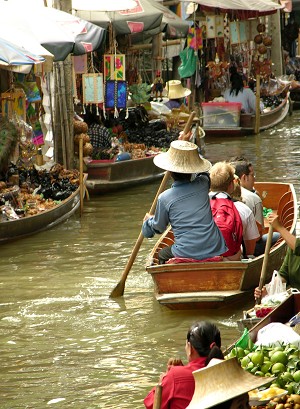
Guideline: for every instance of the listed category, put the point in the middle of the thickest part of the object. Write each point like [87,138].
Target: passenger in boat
[290,268]
[185,206]
[176,94]
[203,342]
[238,93]
[222,186]
[244,169]
[99,135]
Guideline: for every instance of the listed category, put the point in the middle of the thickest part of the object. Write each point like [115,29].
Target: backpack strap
[227,196]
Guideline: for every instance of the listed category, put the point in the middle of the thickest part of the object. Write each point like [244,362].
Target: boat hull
[26,226]
[217,284]
[247,122]
[108,176]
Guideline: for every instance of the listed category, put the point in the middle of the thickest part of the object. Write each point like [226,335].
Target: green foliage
[140,93]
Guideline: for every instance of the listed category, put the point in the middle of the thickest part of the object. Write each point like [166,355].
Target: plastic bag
[188,63]
[276,286]
[276,334]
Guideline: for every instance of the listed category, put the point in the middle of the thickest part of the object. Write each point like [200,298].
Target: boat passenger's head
[222,177]
[245,171]
[203,340]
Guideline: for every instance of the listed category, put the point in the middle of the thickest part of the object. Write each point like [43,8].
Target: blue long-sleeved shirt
[186,207]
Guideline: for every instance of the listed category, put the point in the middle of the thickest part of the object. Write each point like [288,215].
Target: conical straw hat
[222,380]
[182,157]
[176,90]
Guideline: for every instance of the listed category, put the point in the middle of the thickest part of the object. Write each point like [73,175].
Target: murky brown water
[64,342]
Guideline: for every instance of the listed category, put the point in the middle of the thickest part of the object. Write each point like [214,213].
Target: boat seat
[176,260]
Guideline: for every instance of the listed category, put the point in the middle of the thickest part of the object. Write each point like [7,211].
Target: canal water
[64,342]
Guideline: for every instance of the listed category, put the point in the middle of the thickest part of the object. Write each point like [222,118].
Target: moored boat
[246,123]
[283,313]
[216,284]
[110,175]
[22,227]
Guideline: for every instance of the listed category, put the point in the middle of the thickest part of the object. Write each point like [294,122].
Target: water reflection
[64,342]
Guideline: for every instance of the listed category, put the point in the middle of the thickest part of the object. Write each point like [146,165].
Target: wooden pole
[62,128]
[257,113]
[265,261]
[81,174]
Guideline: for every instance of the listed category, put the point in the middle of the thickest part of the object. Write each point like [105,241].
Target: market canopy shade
[258,6]
[147,17]
[11,55]
[58,32]
[103,5]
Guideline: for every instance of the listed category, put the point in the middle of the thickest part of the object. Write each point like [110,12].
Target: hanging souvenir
[210,26]
[219,28]
[234,32]
[92,86]
[114,67]
[80,64]
[14,103]
[115,95]
[194,38]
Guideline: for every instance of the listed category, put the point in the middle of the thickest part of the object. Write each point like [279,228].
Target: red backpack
[228,219]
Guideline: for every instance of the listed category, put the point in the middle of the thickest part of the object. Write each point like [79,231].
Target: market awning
[12,55]
[58,32]
[147,17]
[250,8]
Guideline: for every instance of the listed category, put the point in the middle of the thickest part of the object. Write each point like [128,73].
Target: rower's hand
[185,136]
[273,219]
[147,216]
[259,294]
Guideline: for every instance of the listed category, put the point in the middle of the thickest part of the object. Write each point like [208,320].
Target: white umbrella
[103,5]
[13,54]
[254,5]
[58,32]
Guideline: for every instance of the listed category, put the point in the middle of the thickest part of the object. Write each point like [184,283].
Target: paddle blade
[118,291]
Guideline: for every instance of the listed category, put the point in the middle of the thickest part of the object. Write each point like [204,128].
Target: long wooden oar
[265,262]
[118,291]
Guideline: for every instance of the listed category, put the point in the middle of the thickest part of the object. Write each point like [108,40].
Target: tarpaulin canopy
[58,32]
[103,5]
[148,17]
[13,54]
[253,7]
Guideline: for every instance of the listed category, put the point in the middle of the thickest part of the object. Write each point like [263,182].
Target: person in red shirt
[203,343]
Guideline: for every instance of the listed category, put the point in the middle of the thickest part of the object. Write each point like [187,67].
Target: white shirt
[254,202]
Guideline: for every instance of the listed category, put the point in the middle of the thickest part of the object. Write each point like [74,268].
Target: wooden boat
[283,313]
[26,226]
[247,122]
[215,284]
[107,175]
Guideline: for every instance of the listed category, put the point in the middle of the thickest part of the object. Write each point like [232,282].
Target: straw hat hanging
[175,90]
[182,157]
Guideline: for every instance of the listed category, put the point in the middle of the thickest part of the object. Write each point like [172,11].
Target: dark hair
[181,176]
[237,84]
[242,165]
[205,338]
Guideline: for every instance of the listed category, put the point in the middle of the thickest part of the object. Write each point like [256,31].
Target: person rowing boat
[185,206]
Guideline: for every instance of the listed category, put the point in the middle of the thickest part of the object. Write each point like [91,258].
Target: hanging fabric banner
[92,88]
[114,67]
